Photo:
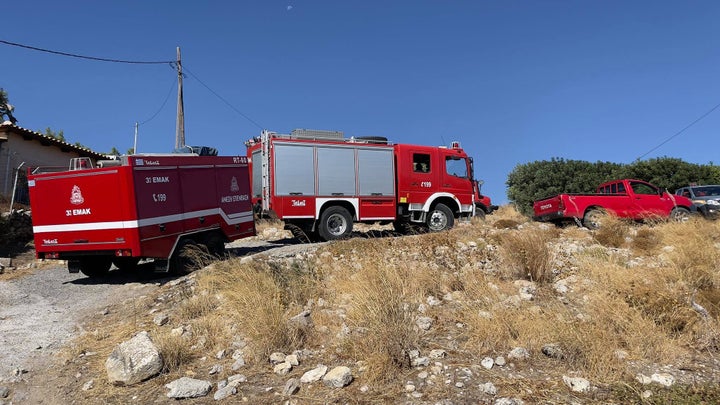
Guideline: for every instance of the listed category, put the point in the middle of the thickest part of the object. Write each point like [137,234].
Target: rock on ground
[134,361]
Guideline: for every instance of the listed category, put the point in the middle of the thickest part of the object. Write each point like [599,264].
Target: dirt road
[42,311]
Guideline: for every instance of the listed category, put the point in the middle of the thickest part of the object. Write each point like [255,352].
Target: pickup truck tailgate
[548,209]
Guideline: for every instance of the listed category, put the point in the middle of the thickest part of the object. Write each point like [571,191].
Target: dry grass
[612,232]
[175,350]
[260,300]
[629,301]
[526,254]
[646,241]
[381,318]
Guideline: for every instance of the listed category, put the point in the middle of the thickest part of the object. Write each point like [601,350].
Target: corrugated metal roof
[82,151]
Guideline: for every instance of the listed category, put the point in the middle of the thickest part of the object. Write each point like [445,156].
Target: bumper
[709,211]
[487,209]
[550,216]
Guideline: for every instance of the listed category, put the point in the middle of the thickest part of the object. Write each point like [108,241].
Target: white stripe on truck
[232,219]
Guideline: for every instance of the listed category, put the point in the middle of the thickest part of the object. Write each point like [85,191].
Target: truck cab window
[421,163]
[642,188]
[456,167]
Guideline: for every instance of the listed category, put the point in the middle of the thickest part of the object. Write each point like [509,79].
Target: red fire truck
[145,206]
[319,183]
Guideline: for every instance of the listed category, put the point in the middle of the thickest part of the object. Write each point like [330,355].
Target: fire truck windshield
[455,166]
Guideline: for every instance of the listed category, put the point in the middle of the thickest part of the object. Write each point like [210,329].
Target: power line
[221,98]
[171,63]
[172,86]
[73,55]
[680,132]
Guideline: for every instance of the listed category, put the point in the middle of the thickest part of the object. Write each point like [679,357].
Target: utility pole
[135,141]
[180,126]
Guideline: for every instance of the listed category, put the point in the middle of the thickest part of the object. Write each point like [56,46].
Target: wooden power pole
[180,125]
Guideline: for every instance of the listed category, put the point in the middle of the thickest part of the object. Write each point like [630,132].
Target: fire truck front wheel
[95,266]
[335,223]
[440,218]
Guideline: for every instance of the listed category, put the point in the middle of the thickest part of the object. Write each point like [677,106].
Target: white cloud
[289,8]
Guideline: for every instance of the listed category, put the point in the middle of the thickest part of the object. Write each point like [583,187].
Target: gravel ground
[42,311]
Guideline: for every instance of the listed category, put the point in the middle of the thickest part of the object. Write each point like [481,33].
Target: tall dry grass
[526,254]
[260,299]
[613,231]
[630,300]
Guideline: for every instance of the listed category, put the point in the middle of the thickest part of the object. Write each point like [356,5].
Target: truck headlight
[712,202]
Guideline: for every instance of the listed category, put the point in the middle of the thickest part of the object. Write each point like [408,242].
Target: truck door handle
[414,183]
[446,185]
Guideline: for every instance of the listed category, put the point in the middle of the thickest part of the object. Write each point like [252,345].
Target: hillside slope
[499,311]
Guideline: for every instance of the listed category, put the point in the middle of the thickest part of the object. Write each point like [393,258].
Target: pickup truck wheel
[680,214]
[95,266]
[593,218]
[126,264]
[188,257]
[335,223]
[440,218]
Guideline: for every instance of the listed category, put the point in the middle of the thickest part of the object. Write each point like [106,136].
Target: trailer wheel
[95,266]
[216,245]
[593,218]
[679,214]
[126,264]
[335,223]
[440,218]
[187,258]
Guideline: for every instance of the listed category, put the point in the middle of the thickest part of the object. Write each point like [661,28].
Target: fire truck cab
[319,183]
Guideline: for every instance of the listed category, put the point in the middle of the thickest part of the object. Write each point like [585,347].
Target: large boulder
[134,361]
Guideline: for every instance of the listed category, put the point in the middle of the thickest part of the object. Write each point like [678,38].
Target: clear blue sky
[514,81]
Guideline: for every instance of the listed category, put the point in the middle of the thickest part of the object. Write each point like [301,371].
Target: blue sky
[514,81]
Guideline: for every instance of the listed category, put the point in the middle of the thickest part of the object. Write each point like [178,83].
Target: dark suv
[705,198]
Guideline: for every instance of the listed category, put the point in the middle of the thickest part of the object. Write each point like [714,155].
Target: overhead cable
[679,132]
[221,98]
[73,55]
[172,86]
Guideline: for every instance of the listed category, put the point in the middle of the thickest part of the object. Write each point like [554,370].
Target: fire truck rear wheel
[335,223]
[95,266]
[440,218]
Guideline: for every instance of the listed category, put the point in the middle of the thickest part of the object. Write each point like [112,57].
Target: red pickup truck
[634,199]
